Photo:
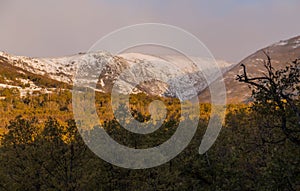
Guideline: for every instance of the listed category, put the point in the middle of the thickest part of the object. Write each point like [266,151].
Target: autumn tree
[49,158]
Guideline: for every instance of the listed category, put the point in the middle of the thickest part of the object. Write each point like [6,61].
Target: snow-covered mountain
[129,72]
[134,72]
[61,69]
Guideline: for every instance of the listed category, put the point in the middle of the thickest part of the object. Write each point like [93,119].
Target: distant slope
[281,54]
[176,68]
[12,76]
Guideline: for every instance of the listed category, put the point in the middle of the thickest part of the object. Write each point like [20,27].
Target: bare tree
[277,92]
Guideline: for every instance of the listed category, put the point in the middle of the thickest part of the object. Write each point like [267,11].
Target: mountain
[109,70]
[281,53]
[24,79]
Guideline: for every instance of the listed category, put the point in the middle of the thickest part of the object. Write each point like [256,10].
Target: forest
[258,147]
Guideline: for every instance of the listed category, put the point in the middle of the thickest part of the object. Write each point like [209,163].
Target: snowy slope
[128,73]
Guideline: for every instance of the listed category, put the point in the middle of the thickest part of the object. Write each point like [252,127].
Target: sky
[231,29]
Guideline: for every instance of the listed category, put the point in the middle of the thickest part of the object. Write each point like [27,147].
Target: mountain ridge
[63,69]
[114,71]
[281,53]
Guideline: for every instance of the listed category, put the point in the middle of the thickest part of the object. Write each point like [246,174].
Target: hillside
[25,81]
[108,68]
[281,54]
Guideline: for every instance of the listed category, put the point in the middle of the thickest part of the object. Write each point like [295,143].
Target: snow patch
[297,44]
[281,43]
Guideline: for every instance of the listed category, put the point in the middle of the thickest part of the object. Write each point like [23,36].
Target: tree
[65,159]
[276,94]
[52,158]
[19,154]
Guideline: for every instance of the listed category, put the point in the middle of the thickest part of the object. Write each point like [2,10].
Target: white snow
[27,90]
[102,83]
[281,43]
[297,44]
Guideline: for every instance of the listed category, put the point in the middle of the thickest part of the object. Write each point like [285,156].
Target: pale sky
[231,29]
